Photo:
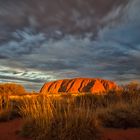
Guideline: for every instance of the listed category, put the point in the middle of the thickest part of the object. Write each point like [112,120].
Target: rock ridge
[79,85]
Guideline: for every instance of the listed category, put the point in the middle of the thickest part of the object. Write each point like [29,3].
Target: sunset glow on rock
[79,85]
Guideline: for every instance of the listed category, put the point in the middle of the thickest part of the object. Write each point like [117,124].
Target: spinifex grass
[50,119]
[5,108]
[121,115]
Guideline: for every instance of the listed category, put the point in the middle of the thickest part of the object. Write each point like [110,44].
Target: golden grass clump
[46,118]
[121,115]
[11,89]
[5,108]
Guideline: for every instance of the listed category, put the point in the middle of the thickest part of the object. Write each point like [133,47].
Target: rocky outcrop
[79,85]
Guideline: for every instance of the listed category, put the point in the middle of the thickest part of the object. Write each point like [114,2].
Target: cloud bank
[73,39]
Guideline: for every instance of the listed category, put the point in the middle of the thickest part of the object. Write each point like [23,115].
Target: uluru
[79,85]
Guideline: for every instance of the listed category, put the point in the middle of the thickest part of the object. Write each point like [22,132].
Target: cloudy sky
[44,40]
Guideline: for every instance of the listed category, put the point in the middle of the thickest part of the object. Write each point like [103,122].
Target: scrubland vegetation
[74,117]
[58,119]
[11,89]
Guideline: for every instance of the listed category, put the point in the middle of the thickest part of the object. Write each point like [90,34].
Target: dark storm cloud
[22,42]
[88,40]
[71,16]
[21,79]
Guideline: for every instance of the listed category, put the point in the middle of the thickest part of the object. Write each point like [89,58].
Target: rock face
[78,85]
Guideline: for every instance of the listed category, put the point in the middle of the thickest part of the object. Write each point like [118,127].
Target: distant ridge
[79,85]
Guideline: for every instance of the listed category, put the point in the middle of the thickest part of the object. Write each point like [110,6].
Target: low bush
[5,108]
[11,89]
[45,121]
[8,108]
[121,115]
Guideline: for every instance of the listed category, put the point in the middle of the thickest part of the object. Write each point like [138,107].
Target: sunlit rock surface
[79,85]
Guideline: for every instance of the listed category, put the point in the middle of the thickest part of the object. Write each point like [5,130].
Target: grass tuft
[53,120]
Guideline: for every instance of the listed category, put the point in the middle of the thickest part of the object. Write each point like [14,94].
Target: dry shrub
[9,108]
[121,115]
[5,115]
[97,101]
[5,108]
[11,89]
[53,120]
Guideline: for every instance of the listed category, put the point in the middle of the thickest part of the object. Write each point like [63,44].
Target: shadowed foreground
[111,116]
[9,130]
[121,134]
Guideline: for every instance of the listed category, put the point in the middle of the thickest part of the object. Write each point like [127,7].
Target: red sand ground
[121,134]
[8,132]
[9,129]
